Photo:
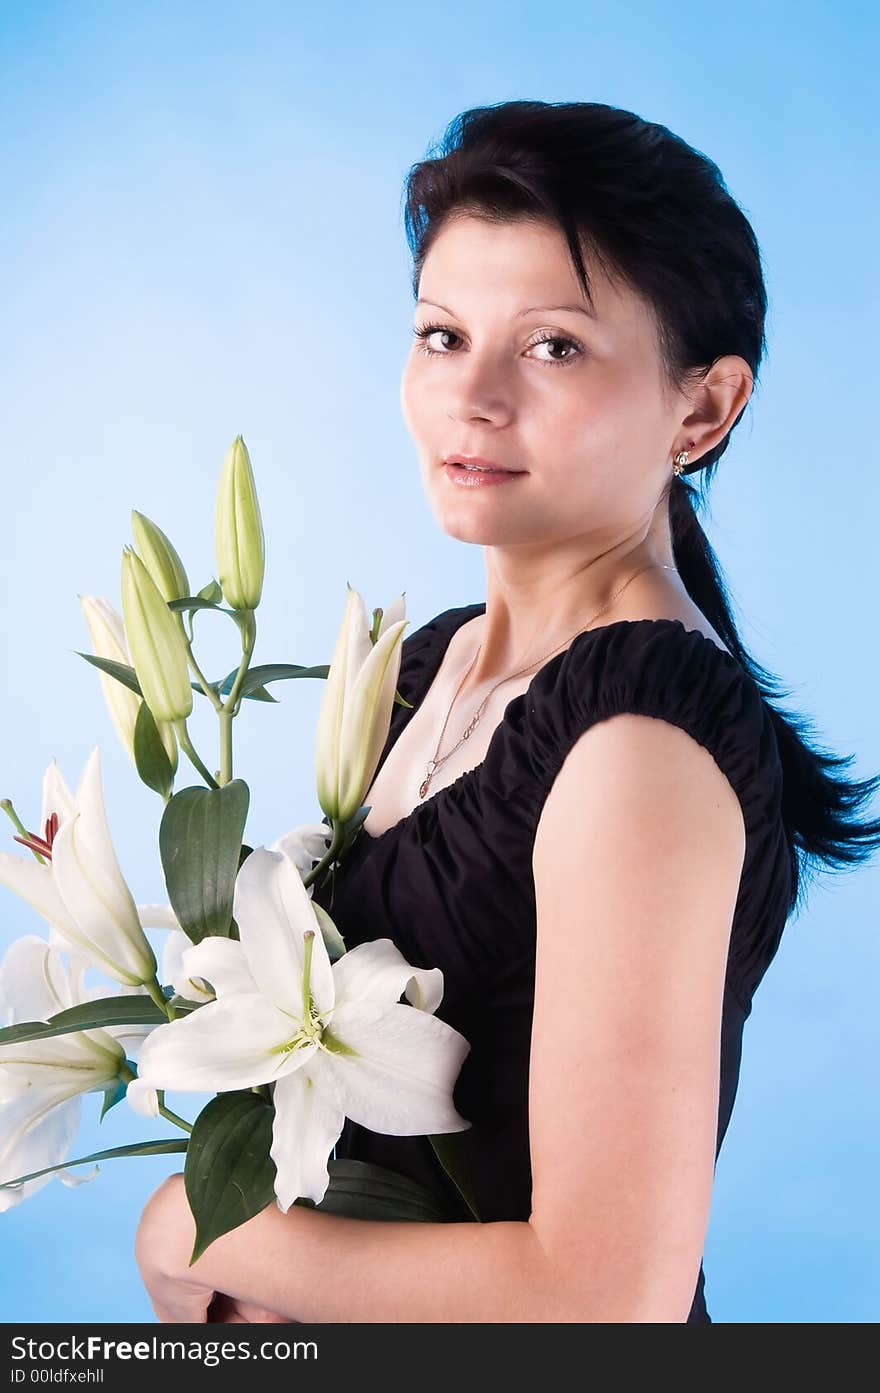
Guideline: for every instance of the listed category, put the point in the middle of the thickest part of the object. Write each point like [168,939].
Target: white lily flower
[42,1081]
[79,888]
[107,631]
[334,1039]
[355,711]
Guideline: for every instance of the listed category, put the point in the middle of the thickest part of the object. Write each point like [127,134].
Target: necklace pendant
[423,786]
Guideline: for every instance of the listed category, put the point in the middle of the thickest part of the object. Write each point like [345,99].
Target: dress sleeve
[659,668]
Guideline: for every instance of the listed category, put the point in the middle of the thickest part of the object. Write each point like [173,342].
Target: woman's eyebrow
[533,309]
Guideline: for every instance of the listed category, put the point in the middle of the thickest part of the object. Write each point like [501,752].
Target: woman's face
[575,401]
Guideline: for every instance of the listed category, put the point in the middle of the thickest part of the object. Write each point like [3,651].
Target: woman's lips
[475,478]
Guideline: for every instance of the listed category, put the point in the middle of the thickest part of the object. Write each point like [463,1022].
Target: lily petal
[401,1079]
[157,916]
[72,1180]
[304,845]
[220,961]
[225,1045]
[351,650]
[106,925]
[367,717]
[273,910]
[37,1129]
[176,945]
[107,632]
[308,1122]
[35,883]
[33,983]
[57,797]
[74,1059]
[142,1098]
[93,887]
[393,614]
[378,972]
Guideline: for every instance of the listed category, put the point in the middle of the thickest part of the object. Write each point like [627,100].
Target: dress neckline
[431,666]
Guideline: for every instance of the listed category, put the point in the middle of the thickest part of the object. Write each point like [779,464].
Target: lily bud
[158,647]
[108,641]
[159,557]
[238,531]
[355,713]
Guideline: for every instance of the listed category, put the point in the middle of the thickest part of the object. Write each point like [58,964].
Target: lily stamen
[41,845]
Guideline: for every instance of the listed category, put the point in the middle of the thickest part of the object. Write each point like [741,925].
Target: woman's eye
[573,347]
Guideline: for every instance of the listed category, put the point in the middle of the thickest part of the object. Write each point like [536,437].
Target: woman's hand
[163,1244]
[229,1311]
[190,1295]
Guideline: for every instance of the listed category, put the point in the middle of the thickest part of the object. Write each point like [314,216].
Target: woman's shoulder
[658,668]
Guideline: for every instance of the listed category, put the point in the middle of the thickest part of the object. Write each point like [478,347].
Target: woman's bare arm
[309,1266]
[637,864]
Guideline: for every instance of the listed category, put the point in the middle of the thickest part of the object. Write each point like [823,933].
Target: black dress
[451,883]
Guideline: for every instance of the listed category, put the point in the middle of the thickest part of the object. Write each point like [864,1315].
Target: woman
[596,829]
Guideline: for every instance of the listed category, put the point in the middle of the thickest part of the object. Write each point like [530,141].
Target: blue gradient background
[201,236]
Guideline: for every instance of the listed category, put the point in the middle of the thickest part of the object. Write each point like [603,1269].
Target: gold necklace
[435,763]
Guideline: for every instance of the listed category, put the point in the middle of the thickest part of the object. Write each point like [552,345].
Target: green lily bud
[355,714]
[238,531]
[159,557]
[158,648]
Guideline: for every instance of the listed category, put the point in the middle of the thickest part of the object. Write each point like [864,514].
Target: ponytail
[821,808]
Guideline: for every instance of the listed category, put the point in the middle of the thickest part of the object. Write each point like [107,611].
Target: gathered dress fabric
[451,883]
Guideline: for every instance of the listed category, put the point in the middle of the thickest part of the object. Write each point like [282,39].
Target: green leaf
[256,677]
[361,1190]
[200,840]
[333,940]
[183,1006]
[121,671]
[89,1015]
[197,687]
[150,754]
[138,1148]
[448,1150]
[113,1094]
[190,602]
[212,591]
[229,1175]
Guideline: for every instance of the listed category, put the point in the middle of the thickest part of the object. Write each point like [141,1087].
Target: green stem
[172,1117]
[229,710]
[224,773]
[203,681]
[338,840]
[157,995]
[187,746]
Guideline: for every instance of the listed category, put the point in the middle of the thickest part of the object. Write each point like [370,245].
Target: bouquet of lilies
[257,1000]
